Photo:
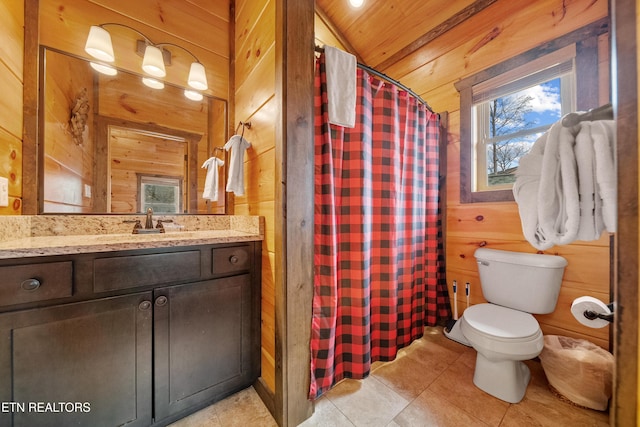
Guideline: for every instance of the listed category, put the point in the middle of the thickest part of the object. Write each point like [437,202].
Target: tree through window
[509,124]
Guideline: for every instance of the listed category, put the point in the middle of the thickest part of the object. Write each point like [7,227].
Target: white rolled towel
[525,192]
[591,225]
[603,135]
[558,204]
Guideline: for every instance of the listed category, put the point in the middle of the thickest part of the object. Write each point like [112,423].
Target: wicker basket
[578,371]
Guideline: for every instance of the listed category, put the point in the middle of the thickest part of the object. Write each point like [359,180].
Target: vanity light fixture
[197,77]
[155,58]
[99,44]
[153,62]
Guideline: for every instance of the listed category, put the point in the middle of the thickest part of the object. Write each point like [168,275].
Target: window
[160,193]
[511,111]
[505,109]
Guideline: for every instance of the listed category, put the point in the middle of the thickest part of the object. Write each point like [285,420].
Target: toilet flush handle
[485,263]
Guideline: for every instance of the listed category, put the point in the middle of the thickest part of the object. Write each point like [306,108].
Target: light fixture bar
[155,57]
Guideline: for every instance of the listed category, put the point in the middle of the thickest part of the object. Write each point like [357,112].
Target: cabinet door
[84,364]
[203,342]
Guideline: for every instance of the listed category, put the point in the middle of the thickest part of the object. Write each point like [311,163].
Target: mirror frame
[30,174]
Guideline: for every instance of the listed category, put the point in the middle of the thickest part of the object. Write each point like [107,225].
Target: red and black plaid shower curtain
[377,247]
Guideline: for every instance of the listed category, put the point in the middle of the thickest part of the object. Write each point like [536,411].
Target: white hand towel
[603,135]
[235,181]
[212,179]
[341,86]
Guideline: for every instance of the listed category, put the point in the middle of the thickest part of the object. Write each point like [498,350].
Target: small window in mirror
[163,194]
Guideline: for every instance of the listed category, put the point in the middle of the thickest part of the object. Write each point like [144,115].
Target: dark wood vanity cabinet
[96,354]
[202,342]
[121,354]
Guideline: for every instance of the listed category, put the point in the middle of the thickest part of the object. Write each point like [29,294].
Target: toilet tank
[522,281]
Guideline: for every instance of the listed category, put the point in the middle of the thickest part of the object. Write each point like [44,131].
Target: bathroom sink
[148,231]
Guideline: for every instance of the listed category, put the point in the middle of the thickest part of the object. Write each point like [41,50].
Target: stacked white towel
[566,185]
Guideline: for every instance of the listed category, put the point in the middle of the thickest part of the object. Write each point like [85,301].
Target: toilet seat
[501,332]
[501,322]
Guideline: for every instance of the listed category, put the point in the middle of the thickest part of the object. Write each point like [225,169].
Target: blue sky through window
[546,105]
[516,132]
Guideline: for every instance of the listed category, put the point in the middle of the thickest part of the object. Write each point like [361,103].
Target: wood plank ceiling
[388,35]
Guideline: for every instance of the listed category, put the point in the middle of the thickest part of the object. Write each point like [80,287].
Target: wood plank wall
[464,51]
[11,105]
[201,26]
[254,81]
[515,27]
[68,166]
[133,153]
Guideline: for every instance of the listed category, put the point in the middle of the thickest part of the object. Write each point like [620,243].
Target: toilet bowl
[503,337]
[502,331]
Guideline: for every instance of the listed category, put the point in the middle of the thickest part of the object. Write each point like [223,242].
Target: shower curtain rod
[389,79]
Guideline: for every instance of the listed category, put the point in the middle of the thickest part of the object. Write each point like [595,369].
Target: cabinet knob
[233,259]
[144,305]
[161,300]
[30,284]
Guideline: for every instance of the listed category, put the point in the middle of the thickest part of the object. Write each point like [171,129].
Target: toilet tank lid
[533,260]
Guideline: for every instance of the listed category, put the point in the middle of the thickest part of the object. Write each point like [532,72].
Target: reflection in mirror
[99,134]
[135,154]
[160,193]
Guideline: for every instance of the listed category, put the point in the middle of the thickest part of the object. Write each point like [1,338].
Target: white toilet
[502,331]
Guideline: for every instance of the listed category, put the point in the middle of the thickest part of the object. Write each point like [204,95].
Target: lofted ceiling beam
[435,32]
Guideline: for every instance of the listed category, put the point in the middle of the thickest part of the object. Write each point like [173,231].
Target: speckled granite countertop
[28,236]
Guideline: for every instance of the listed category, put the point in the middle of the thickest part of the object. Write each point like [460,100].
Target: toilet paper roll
[586,303]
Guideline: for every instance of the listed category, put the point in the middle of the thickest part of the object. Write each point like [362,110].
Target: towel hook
[215,149]
[245,125]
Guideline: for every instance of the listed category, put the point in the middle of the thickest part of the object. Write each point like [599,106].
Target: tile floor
[429,384]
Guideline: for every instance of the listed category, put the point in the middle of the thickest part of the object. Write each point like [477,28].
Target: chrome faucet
[149,224]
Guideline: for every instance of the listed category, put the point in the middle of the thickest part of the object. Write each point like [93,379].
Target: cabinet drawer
[145,270]
[231,260]
[36,282]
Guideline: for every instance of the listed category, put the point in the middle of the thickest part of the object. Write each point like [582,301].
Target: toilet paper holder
[592,315]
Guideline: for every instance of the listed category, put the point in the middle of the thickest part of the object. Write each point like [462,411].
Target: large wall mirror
[104,139]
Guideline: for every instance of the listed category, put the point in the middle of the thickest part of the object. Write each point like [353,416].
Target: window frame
[585,40]
[481,140]
[164,180]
